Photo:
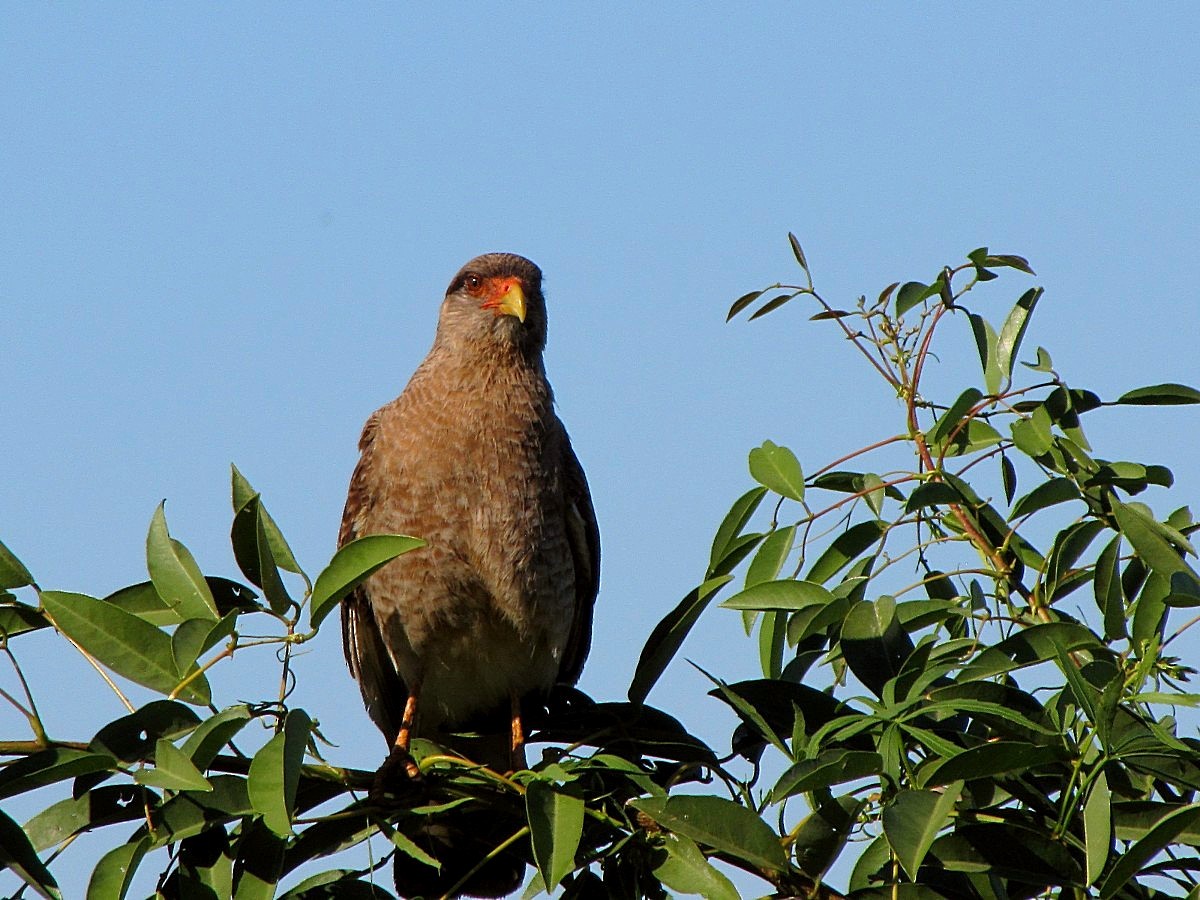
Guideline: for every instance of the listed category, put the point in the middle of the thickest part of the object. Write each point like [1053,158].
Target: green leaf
[353,564]
[910,294]
[846,548]
[17,854]
[913,819]
[830,767]
[997,757]
[875,492]
[932,493]
[718,823]
[742,302]
[173,770]
[203,744]
[786,594]
[19,618]
[104,805]
[1097,827]
[822,836]
[687,871]
[259,863]
[1137,856]
[1043,363]
[252,550]
[13,573]
[113,875]
[1013,330]
[243,493]
[733,523]
[1160,395]
[873,643]
[986,343]
[174,572]
[555,827]
[48,767]
[777,468]
[771,305]
[132,738]
[124,643]
[668,635]
[275,773]
[1032,435]
[1048,493]
[977,435]
[797,252]
[950,419]
[771,556]
[1154,542]
[187,642]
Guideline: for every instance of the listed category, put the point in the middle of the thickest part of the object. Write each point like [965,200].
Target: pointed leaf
[124,643]
[846,548]
[797,252]
[1097,827]
[718,823]
[742,302]
[910,294]
[555,827]
[913,819]
[771,556]
[777,468]
[243,493]
[785,594]
[733,523]
[687,871]
[114,873]
[667,637]
[1048,493]
[132,738]
[352,565]
[986,343]
[771,305]
[173,770]
[17,854]
[1161,395]
[203,744]
[275,773]
[1137,856]
[174,572]
[1013,330]
[48,767]
[13,573]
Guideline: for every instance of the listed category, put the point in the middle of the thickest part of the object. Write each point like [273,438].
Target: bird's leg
[389,786]
[404,737]
[517,754]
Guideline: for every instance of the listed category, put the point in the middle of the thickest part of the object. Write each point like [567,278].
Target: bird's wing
[583,535]
[383,691]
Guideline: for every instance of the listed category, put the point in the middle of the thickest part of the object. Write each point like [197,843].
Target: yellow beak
[512,301]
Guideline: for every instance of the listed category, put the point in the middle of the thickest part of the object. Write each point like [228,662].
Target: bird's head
[496,298]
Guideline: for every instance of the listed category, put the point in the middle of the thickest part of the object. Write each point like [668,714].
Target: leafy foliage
[970,697]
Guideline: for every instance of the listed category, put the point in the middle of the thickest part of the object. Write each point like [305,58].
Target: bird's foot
[398,782]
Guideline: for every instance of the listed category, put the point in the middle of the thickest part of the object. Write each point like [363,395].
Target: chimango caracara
[472,458]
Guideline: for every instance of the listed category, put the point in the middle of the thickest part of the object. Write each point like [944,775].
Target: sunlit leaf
[275,773]
[113,875]
[352,565]
[1048,493]
[778,469]
[174,573]
[718,823]
[986,343]
[785,594]
[13,573]
[1137,856]
[173,770]
[1097,828]
[830,767]
[771,556]
[1161,395]
[687,871]
[846,548]
[913,819]
[733,523]
[555,827]
[1013,330]
[243,493]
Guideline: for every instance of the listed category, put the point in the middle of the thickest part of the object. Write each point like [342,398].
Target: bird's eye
[473,284]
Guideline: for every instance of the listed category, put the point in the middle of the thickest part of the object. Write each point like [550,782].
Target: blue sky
[225,231]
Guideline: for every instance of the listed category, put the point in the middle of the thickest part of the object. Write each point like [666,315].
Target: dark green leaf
[114,873]
[996,757]
[48,767]
[873,643]
[275,773]
[352,565]
[986,343]
[124,643]
[1107,584]
[667,637]
[13,573]
[19,618]
[1008,474]
[213,734]
[133,737]
[950,420]
[771,305]
[932,493]
[910,294]
[718,823]
[1048,493]
[174,573]
[786,594]
[830,767]
[742,302]
[1009,260]
[823,834]
[1097,828]
[1154,542]
[853,483]
[243,493]
[733,523]
[17,854]
[777,468]
[1032,435]
[1137,856]
[687,871]
[256,559]
[913,819]
[555,827]
[259,863]
[1161,395]
[797,252]
[846,548]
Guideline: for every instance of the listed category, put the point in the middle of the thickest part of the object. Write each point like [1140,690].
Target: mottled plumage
[472,458]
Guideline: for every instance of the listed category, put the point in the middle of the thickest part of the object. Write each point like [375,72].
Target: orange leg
[404,738]
[517,756]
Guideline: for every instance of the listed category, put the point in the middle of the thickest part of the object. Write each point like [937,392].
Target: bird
[497,605]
